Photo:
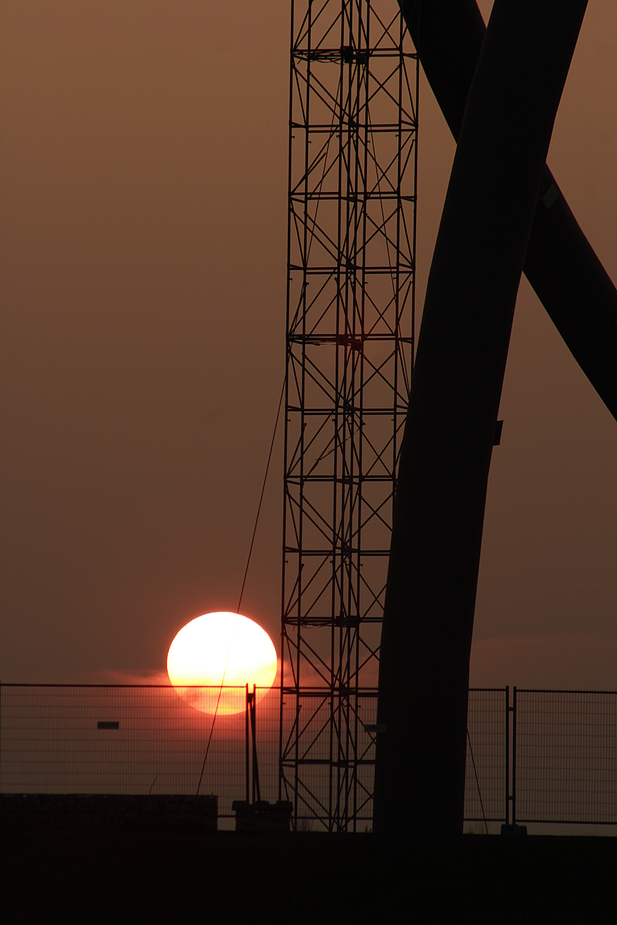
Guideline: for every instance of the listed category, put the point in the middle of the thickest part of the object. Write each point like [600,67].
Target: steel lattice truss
[350,323]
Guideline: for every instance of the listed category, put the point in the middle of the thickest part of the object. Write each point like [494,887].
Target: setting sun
[225,651]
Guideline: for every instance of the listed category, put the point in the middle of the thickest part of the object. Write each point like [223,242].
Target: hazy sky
[143,159]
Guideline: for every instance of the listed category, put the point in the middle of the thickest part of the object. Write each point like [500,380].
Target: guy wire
[246,571]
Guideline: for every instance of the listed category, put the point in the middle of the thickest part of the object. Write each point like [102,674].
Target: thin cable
[261,497]
[246,571]
[216,709]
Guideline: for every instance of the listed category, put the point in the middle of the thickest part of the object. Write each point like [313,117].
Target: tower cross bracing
[350,325]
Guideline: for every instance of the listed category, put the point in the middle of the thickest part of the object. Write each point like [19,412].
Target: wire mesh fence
[566,756]
[143,739]
[330,778]
[536,756]
[486,775]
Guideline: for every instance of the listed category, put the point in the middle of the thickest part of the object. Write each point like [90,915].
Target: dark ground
[77,876]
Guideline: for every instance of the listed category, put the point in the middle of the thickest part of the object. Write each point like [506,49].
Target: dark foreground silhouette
[311,878]
[451,422]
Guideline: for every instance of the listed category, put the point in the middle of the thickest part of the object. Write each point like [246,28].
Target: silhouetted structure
[560,264]
[505,213]
[460,362]
[350,321]
[254,814]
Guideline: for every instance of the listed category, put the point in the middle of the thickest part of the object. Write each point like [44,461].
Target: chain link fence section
[146,739]
[556,762]
[566,756]
[137,739]
[486,764]
[314,792]
[119,739]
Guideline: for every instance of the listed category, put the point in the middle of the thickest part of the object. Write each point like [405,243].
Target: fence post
[514,756]
[507,815]
[510,757]
[246,755]
[256,790]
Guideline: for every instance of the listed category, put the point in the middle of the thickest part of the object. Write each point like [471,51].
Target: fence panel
[119,740]
[140,739]
[566,756]
[485,769]
[146,739]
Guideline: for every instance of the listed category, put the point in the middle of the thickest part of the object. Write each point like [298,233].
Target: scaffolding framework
[350,326]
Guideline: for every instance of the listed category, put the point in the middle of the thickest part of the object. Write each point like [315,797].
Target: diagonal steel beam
[560,264]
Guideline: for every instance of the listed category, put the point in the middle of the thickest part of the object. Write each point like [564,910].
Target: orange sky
[143,156]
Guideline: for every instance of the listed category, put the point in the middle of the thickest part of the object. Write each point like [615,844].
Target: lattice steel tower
[350,324]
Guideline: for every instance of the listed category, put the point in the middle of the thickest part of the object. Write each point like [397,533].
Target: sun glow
[225,651]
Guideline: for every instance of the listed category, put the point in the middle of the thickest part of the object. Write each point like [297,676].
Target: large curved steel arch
[460,362]
[560,264]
